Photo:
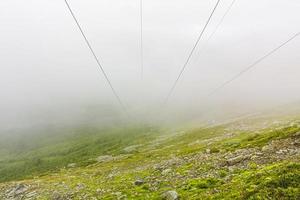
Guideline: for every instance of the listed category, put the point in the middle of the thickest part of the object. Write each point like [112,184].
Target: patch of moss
[277,181]
[202,183]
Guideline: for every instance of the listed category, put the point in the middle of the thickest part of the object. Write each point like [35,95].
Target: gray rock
[57,196]
[80,186]
[158,167]
[31,194]
[105,158]
[236,160]
[139,182]
[71,165]
[170,195]
[166,171]
[19,189]
[267,148]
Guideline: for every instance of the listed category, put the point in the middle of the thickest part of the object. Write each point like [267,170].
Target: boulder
[236,160]
[139,182]
[170,195]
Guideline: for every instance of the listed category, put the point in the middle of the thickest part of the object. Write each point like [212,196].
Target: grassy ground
[30,158]
[249,159]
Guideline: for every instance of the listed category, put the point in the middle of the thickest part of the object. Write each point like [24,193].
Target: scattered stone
[131,149]
[282,151]
[254,157]
[259,154]
[235,160]
[120,196]
[111,175]
[297,134]
[56,196]
[71,165]
[231,169]
[122,156]
[80,186]
[99,190]
[166,171]
[31,194]
[296,143]
[118,193]
[266,148]
[170,195]
[19,189]
[105,158]
[158,167]
[139,182]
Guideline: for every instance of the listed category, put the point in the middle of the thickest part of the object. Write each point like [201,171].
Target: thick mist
[49,77]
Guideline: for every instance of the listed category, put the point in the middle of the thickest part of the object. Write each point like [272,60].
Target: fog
[48,75]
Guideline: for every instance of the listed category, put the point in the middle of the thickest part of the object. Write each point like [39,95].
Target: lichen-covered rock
[170,195]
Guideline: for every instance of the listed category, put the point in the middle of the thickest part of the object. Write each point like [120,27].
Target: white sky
[45,64]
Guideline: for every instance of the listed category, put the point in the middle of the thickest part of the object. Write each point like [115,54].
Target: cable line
[96,58]
[206,110]
[142,42]
[218,25]
[221,21]
[191,53]
[253,65]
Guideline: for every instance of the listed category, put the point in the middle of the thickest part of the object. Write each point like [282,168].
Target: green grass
[251,140]
[80,148]
[276,181]
[191,176]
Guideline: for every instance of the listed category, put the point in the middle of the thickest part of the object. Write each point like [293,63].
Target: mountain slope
[249,159]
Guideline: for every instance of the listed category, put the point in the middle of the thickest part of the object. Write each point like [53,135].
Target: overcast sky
[45,66]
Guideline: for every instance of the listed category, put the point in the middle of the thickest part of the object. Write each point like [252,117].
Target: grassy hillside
[248,159]
[36,154]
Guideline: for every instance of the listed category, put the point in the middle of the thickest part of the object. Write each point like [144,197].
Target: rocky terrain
[248,159]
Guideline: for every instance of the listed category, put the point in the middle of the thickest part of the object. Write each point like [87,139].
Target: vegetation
[81,147]
[252,159]
[275,181]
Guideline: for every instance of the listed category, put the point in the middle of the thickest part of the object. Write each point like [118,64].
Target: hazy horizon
[48,75]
